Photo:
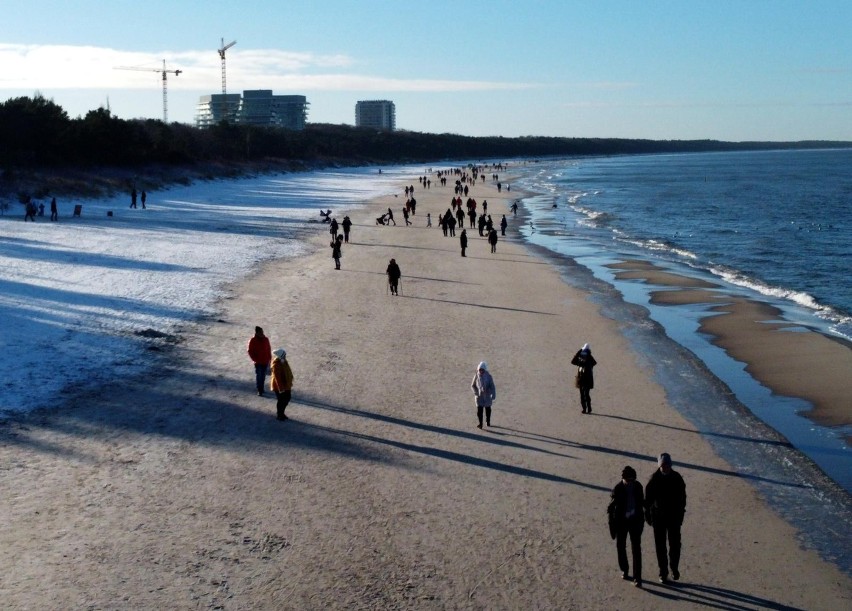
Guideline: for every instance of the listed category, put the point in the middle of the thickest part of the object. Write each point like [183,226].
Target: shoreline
[381,491]
[800,363]
[823,432]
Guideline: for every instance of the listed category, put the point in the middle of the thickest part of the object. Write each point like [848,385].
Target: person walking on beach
[428,219]
[133,198]
[54,210]
[665,506]
[143,198]
[281,382]
[503,224]
[485,392]
[394,274]
[260,353]
[332,229]
[405,216]
[625,519]
[390,217]
[585,380]
[337,251]
[29,211]
[347,226]
[463,241]
[492,239]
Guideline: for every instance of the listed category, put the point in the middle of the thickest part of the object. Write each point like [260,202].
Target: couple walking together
[662,504]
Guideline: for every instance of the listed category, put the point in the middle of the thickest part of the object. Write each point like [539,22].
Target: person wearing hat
[260,353]
[485,392]
[585,380]
[625,515]
[665,505]
[281,382]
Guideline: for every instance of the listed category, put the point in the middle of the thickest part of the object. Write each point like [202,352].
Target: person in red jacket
[260,353]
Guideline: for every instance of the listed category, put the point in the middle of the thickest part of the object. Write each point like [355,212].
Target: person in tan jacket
[281,382]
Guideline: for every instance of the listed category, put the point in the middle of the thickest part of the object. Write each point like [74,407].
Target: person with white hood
[485,393]
[281,382]
[585,380]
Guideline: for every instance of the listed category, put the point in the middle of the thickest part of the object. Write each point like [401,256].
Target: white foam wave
[656,246]
[739,279]
[841,322]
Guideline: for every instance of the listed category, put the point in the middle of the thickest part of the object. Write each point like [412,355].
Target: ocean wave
[593,218]
[655,245]
[837,318]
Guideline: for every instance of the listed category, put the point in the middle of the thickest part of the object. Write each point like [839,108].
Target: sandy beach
[179,489]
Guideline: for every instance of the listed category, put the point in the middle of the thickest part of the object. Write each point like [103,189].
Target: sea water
[771,226]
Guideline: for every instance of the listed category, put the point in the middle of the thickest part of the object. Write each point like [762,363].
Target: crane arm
[148,69]
[225,47]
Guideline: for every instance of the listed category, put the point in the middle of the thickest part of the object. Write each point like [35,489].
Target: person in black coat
[463,241]
[347,226]
[626,519]
[492,239]
[585,380]
[337,251]
[394,274]
[665,506]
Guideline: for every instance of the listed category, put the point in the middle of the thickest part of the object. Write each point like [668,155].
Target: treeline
[37,133]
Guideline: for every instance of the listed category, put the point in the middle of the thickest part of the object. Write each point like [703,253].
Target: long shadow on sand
[713,597]
[458,457]
[363,271]
[396,246]
[648,458]
[771,442]
[177,410]
[480,305]
[480,437]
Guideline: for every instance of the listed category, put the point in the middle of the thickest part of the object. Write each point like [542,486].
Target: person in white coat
[485,392]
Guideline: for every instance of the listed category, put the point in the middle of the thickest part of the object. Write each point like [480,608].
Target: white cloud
[37,67]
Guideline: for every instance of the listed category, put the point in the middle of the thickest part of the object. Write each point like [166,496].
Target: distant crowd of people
[32,210]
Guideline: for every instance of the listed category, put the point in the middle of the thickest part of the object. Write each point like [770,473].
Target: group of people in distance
[31,210]
[337,240]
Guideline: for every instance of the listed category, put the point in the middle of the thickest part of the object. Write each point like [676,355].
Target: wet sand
[788,359]
[180,489]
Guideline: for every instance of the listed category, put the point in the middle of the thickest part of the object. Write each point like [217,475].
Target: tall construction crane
[222,50]
[165,81]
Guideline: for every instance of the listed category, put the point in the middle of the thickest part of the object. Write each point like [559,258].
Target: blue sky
[728,70]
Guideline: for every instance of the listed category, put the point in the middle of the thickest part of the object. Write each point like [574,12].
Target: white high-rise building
[376,114]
